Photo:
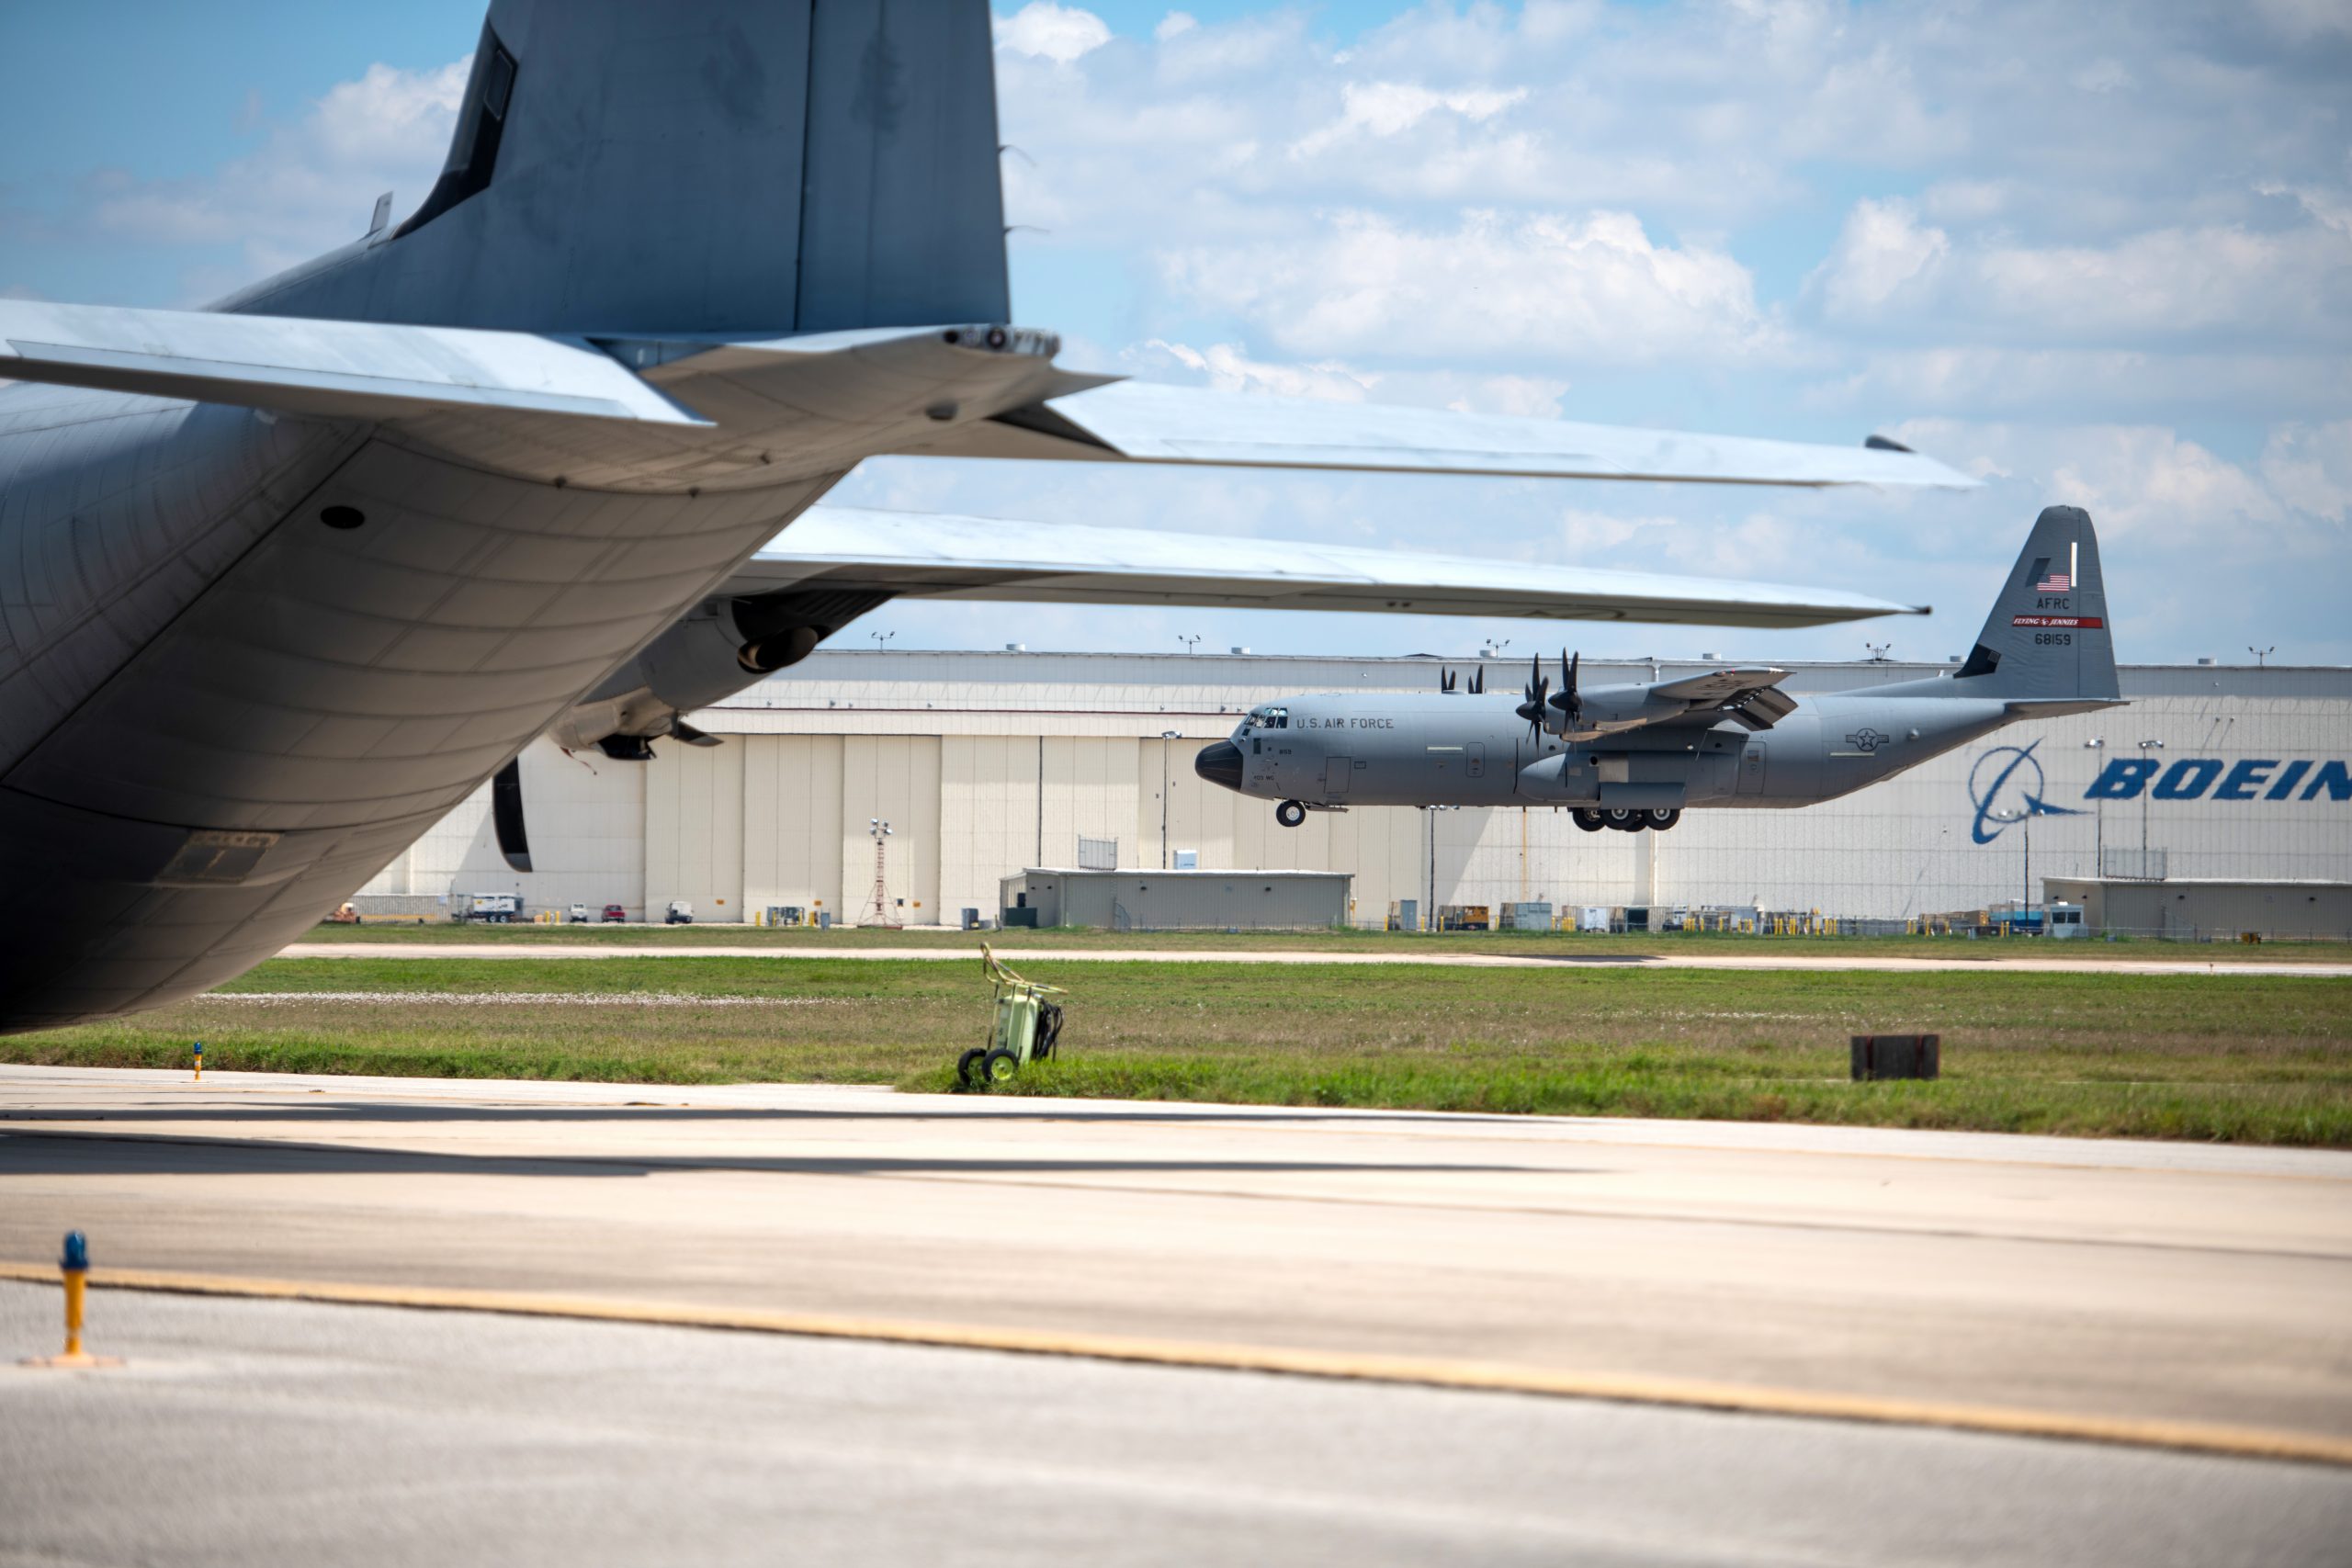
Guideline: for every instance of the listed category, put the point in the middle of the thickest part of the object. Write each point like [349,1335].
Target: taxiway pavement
[2138,1281]
[244,1433]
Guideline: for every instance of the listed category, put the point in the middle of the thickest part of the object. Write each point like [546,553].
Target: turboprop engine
[719,647]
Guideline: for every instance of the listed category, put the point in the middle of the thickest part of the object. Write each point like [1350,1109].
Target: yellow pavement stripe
[2193,1436]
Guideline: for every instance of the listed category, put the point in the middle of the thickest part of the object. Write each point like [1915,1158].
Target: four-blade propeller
[1569,701]
[1532,710]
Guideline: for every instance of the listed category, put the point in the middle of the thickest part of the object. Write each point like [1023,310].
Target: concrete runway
[1435,956]
[271,1433]
[2148,1282]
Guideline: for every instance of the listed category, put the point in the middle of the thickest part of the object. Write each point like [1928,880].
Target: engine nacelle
[716,649]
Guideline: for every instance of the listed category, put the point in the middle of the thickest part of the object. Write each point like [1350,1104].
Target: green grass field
[815,943]
[2241,1055]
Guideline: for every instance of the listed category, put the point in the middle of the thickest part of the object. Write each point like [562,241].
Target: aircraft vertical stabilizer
[698,166]
[2048,636]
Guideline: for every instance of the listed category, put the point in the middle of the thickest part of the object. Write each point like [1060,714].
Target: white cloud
[2104,75]
[1225,366]
[2310,468]
[1883,248]
[2063,380]
[2157,489]
[311,185]
[2153,285]
[1391,108]
[2330,207]
[1059,33]
[1176,24]
[1587,534]
[1545,287]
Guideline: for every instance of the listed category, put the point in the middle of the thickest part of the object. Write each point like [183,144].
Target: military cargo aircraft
[1635,757]
[284,581]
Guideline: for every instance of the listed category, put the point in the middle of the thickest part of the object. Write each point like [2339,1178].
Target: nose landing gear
[1290,813]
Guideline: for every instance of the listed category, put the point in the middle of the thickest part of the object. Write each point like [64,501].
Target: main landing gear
[1658,820]
[1290,813]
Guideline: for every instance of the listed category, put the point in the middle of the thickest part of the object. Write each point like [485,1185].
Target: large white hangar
[984,764]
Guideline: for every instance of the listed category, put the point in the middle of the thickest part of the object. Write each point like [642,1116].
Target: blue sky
[2100,254]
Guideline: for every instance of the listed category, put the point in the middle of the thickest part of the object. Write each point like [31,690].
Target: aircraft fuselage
[1348,750]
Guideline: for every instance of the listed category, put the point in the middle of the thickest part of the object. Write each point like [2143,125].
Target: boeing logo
[1998,769]
[2212,778]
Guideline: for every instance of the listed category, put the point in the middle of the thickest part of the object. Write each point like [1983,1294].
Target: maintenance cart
[1024,1028]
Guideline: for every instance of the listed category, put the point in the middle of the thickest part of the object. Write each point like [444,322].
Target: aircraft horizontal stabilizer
[901,554]
[331,369]
[1147,423]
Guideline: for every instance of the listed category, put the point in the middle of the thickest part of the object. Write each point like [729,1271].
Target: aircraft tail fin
[698,166]
[2048,637]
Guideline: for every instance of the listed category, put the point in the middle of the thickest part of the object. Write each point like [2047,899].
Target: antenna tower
[877,907]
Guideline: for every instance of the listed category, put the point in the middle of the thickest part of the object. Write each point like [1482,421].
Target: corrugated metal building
[1177,900]
[986,763]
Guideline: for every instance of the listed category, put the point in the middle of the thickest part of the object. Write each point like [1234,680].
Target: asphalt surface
[1434,955]
[263,1433]
[2148,1281]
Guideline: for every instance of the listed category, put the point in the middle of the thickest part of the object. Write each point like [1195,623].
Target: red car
[615,914]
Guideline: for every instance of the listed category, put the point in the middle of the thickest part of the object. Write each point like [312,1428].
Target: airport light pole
[880,638]
[2261,655]
[2096,745]
[1165,736]
[2147,790]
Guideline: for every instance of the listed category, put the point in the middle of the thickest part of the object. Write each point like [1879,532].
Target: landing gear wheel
[997,1066]
[1290,814]
[1624,821]
[966,1068]
[1663,818]
[1586,817]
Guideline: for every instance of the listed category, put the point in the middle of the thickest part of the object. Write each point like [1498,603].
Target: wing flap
[331,369]
[947,557]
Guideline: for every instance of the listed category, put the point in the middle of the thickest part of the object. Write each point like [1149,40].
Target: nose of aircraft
[1220,764]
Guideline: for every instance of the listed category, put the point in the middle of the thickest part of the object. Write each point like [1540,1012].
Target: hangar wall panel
[896,778]
[694,831]
[990,817]
[792,814]
[1090,792]
[587,831]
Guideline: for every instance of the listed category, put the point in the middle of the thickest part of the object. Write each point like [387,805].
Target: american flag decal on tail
[2048,581]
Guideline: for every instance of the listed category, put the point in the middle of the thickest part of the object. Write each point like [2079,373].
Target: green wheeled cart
[1024,1028]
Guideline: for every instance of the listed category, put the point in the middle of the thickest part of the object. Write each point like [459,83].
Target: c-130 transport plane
[284,581]
[1634,757]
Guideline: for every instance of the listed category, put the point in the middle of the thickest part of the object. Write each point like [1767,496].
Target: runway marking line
[1486,1377]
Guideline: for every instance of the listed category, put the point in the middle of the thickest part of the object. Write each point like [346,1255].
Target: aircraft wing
[1750,696]
[899,554]
[344,369]
[1719,686]
[1140,422]
[701,409]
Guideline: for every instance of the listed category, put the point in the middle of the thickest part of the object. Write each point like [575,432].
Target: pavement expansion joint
[2234,1441]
